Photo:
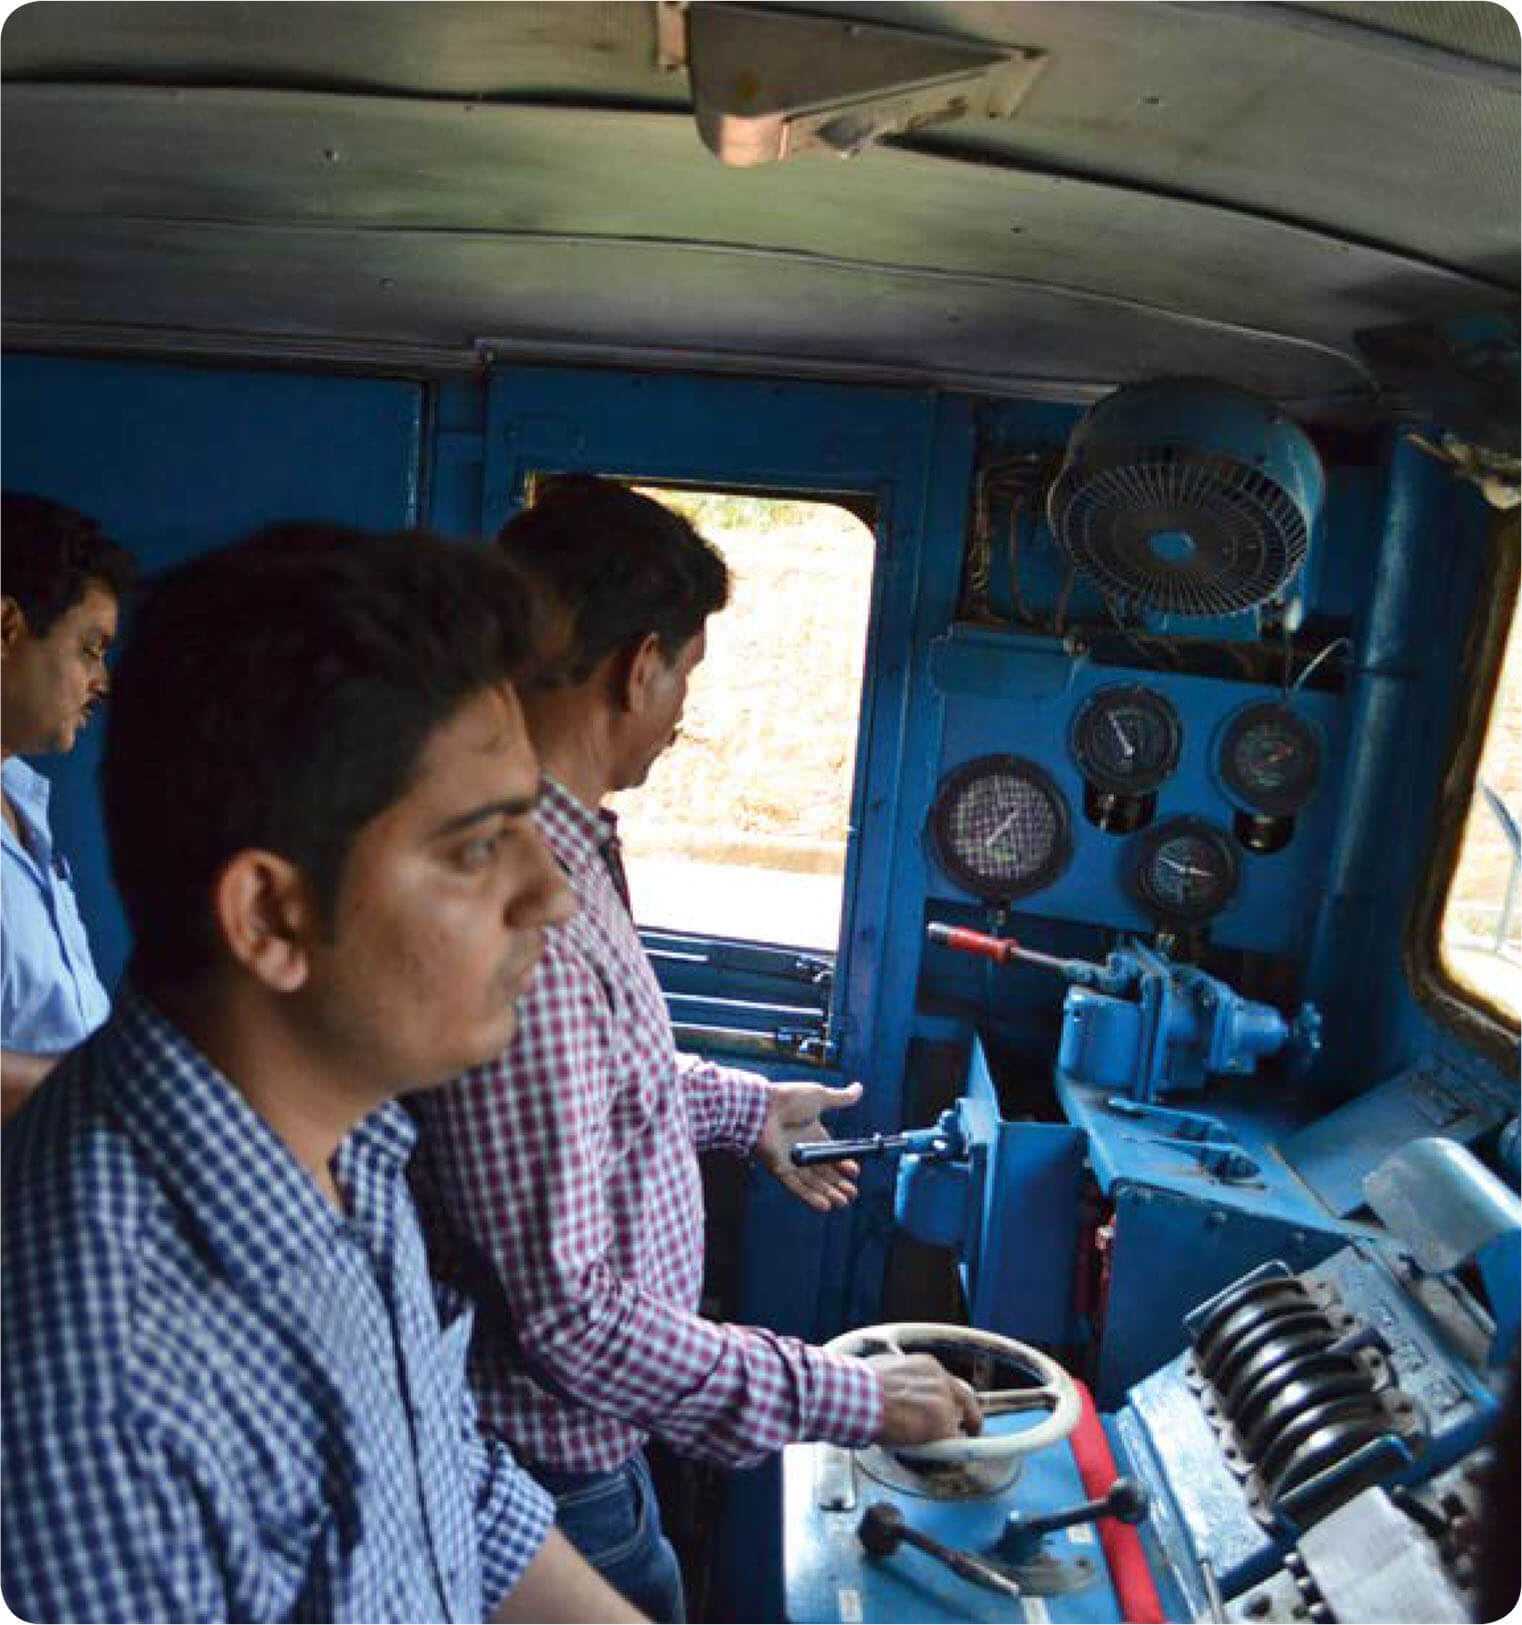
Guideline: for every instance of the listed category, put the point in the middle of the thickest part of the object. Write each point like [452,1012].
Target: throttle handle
[1002,950]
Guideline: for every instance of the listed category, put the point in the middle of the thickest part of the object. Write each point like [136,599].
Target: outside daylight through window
[741,829]
[1481,940]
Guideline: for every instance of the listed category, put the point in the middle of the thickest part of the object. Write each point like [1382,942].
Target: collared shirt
[224,1400]
[569,1169]
[50,997]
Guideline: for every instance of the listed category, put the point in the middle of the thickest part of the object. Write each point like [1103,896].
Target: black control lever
[946,1140]
[879,1145]
[1126,1500]
[882,1531]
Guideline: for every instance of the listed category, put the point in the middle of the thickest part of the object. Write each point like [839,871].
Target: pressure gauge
[1000,827]
[1270,758]
[1186,871]
[1126,739]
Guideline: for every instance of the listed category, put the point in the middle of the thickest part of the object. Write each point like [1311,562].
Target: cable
[1017,507]
[1149,655]
[975,605]
[1299,682]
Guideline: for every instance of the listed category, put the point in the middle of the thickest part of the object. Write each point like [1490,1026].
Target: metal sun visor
[1450,1210]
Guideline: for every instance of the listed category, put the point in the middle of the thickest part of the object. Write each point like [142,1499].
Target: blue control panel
[1306,1423]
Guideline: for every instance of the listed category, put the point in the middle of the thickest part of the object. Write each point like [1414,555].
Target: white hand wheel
[1054,1391]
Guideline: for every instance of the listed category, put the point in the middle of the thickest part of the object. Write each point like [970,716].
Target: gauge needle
[990,839]
[1185,868]
[1125,744]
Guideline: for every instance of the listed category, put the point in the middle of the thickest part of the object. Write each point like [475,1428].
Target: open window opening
[1480,933]
[741,830]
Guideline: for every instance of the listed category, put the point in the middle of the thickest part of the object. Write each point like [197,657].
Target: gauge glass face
[1188,871]
[1001,827]
[1126,740]
[1271,759]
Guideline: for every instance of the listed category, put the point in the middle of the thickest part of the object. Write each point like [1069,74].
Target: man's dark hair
[51,554]
[623,565]
[277,694]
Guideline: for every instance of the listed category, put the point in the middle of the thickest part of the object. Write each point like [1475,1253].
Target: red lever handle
[1002,950]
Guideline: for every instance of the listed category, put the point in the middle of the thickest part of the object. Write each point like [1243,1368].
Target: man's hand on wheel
[922,1401]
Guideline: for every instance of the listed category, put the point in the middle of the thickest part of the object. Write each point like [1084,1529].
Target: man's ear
[12,624]
[266,915]
[644,662]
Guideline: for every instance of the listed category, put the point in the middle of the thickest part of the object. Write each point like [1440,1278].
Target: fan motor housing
[1187,496]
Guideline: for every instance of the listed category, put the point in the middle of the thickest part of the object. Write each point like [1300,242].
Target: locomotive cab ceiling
[1106,192]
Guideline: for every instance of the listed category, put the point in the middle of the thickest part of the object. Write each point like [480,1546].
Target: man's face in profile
[668,699]
[54,683]
[440,918]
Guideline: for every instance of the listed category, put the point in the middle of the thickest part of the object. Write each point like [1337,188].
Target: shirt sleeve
[103,1522]
[10,988]
[520,1152]
[725,1104]
[513,1513]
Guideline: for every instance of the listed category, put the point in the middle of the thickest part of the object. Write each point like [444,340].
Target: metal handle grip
[1002,950]
[1126,1500]
[879,1145]
[883,1530]
[1007,951]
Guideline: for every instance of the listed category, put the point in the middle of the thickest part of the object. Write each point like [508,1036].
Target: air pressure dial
[1000,827]
[1126,739]
[1186,871]
[1270,758]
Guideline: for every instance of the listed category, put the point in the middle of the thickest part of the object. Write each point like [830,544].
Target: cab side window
[1480,935]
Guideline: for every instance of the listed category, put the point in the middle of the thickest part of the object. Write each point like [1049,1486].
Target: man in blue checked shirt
[230,1392]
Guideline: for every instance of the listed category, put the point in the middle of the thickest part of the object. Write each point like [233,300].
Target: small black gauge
[1186,871]
[1126,739]
[1000,827]
[1270,758]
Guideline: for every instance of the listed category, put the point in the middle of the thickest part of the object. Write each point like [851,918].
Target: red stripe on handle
[1132,1578]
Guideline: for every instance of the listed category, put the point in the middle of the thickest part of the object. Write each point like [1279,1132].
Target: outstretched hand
[793,1118]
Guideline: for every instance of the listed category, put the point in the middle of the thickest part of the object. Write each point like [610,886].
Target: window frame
[1452,1004]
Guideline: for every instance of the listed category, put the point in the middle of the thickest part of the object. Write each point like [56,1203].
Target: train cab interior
[1113,755]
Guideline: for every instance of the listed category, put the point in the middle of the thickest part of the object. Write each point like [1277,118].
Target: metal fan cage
[1244,536]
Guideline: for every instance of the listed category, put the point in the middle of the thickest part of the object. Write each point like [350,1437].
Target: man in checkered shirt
[230,1392]
[566,1172]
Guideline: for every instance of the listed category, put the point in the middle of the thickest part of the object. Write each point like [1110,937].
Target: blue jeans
[614,1520]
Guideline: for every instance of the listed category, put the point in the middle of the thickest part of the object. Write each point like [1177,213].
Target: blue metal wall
[176,460]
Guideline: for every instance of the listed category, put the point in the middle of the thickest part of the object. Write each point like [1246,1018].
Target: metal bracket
[770,84]
[1450,1210]
[670,35]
